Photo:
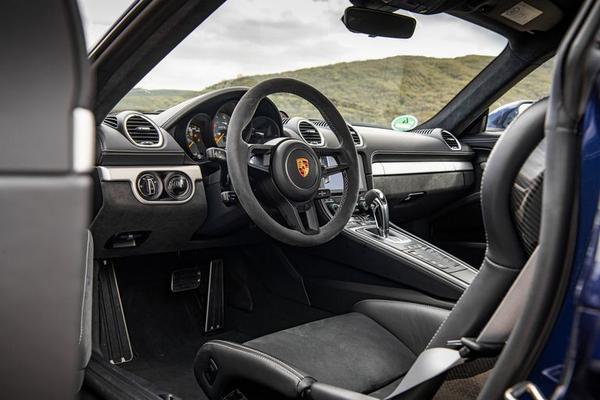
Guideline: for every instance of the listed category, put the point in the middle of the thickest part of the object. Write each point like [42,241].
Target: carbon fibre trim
[526,199]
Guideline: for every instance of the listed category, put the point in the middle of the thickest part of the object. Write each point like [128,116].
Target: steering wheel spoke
[302,218]
[259,157]
[340,159]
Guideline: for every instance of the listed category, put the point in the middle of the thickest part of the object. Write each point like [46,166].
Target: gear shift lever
[375,200]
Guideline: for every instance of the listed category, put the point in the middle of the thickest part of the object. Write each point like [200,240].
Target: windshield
[371,80]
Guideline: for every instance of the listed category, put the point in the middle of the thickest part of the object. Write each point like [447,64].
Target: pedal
[185,279]
[114,337]
[215,298]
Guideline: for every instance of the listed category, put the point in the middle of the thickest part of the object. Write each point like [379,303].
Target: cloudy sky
[247,37]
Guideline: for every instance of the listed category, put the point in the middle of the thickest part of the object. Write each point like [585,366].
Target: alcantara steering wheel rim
[288,159]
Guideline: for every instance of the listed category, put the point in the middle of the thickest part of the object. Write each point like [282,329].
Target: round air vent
[310,133]
[142,131]
[450,140]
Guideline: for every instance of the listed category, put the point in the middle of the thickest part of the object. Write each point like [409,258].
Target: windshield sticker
[522,13]
[404,123]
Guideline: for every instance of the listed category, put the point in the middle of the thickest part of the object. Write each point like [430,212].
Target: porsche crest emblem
[303,166]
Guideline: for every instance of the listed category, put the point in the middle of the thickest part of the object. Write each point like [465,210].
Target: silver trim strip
[418,167]
[130,174]
[84,140]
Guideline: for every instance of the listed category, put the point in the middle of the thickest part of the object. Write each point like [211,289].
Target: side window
[530,89]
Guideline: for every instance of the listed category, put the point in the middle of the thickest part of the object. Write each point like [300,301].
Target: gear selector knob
[376,201]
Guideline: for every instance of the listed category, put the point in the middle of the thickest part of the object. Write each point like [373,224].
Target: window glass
[533,87]
[370,80]
[98,16]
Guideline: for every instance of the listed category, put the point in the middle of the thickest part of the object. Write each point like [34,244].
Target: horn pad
[296,170]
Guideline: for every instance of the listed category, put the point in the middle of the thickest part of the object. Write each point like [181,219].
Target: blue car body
[569,366]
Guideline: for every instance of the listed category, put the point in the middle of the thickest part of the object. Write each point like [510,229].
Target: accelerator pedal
[114,337]
[215,298]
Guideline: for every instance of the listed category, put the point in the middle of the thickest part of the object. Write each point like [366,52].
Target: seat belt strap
[438,360]
[505,317]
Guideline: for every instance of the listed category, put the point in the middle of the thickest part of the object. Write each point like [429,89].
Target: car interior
[236,251]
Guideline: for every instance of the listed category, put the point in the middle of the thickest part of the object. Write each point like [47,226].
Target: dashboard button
[178,186]
[149,186]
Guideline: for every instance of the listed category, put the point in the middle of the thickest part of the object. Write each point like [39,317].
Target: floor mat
[172,371]
[166,329]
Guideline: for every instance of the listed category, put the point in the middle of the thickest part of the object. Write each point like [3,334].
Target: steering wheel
[289,171]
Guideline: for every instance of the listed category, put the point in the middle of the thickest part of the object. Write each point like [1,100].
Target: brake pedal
[215,299]
[185,279]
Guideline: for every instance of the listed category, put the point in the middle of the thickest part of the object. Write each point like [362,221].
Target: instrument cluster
[204,131]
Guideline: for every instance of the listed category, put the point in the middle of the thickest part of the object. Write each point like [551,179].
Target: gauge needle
[190,145]
[219,138]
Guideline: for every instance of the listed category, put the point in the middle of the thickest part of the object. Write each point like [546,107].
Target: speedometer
[219,128]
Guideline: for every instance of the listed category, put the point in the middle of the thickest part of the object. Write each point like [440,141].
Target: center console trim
[360,233]
[382,168]
[131,174]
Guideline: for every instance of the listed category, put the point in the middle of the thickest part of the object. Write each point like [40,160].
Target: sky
[248,37]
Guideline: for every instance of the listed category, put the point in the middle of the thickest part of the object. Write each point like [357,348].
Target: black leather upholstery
[370,349]
[361,351]
[234,363]
[505,255]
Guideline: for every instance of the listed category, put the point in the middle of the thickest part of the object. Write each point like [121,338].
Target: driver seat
[370,349]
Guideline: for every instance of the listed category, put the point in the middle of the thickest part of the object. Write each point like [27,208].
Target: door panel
[44,197]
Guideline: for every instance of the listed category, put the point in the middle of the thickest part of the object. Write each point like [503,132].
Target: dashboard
[162,188]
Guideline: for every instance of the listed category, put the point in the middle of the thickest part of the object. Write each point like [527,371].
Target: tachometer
[219,128]
[194,132]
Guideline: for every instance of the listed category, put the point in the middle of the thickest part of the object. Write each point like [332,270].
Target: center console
[363,227]
[370,226]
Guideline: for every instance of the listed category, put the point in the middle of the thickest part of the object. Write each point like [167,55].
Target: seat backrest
[511,205]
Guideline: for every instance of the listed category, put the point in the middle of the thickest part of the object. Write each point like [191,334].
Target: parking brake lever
[376,201]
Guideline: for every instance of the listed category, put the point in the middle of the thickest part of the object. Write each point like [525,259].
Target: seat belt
[438,360]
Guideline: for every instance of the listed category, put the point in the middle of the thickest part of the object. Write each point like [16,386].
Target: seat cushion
[359,351]
[368,350]
[350,351]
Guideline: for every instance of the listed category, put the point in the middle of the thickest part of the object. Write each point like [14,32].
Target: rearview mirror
[378,23]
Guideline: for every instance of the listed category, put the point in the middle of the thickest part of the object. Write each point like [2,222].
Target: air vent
[310,133]
[111,121]
[142,131]
[355,136]
[285,120]
[450,140]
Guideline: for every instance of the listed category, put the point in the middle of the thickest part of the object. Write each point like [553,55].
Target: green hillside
[372,91]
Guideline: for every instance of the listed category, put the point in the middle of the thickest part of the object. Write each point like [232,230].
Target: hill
[372,91]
